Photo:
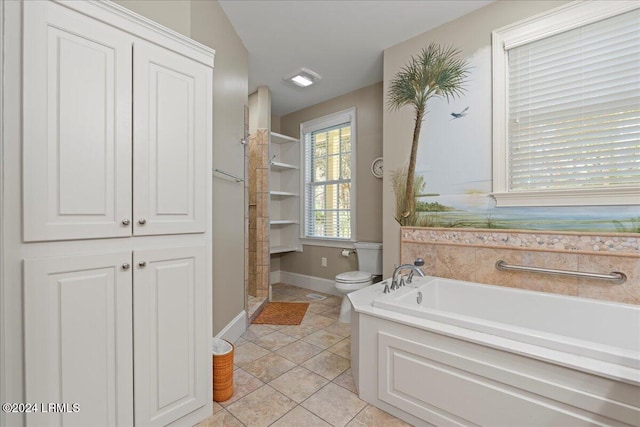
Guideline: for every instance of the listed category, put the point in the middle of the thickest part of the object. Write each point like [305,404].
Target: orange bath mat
[282,313]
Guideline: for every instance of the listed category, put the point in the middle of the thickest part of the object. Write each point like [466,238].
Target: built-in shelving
[282,249]
[279,166]
[284,194]
[284,221]
[278,138]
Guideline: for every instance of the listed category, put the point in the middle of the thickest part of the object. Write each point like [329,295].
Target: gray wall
[472,35]
[205,22]
[368,104]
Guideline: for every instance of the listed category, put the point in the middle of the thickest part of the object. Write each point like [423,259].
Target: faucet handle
[410,278]
[386,289]
[401,282]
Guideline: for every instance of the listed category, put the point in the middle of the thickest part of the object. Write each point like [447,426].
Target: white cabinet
[117,144]
[170,314]
[172,110]
[284,194]
[78,338]
[77,125]
[81,89]
[79,323]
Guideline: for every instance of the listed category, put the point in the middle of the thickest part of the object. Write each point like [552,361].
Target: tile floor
[297,375]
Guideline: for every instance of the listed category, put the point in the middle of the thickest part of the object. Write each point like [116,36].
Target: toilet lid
[353,277]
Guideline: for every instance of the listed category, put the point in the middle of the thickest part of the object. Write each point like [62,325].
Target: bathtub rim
[362,304]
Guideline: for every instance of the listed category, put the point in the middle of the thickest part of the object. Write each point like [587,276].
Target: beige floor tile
[327,364]
[300,417]
[317,320]
[243,384]
[374,417]
[221,419]
[298,384]
[342,348]
[334,404]
[274,341]
[299,351]
[268,367]
[239,342]
[256,331]
[332,312]
[248,352]
[317,308]
[261,407]
[299,331]
[216,407]
[339,328]
[345,380]
[322,339]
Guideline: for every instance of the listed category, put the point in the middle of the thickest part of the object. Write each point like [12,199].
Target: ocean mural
[454,158]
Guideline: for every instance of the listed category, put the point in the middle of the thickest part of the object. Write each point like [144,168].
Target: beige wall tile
[486,271]
[411,251]
[629,292]
[546,282]
[456,262]
[262,230]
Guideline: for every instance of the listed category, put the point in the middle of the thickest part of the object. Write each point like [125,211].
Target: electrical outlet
[324,261]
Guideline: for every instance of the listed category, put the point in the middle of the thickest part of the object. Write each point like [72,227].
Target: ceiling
[342,40]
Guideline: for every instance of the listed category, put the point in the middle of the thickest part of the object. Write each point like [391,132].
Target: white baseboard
[274,277]
[307,282]
[235,328]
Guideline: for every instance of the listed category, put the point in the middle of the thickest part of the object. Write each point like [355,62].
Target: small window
[567,107]
[329,177]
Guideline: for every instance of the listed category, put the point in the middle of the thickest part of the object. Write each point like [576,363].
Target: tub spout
[396,273]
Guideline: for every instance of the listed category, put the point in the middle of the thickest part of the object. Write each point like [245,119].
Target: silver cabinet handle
[125,266]
[142,221]
[126,221]
[142,264]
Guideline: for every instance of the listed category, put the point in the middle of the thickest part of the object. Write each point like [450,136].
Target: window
[567,107]
[329,177]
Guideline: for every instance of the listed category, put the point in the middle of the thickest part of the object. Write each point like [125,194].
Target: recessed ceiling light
[303,77]
[301,80]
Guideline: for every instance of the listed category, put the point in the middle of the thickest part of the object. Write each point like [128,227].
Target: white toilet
[369,265]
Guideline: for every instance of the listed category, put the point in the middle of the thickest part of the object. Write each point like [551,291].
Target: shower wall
[258,285]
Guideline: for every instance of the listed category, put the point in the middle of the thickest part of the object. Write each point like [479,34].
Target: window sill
[330,243]
[583,197]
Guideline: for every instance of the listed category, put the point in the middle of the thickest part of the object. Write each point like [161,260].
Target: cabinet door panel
[170,334]
[77,126]
[172,132]
[78,339]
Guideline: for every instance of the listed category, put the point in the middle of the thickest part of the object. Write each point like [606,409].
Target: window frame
[557,20]
[343,116]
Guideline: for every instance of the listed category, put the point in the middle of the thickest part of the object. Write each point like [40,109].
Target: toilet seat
[354,277]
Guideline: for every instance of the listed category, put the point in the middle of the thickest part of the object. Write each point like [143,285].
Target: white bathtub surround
[475,354]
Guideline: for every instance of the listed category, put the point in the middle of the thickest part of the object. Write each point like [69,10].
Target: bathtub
[601,330]
[474,354]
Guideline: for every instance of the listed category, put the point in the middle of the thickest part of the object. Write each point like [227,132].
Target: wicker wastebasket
[222,370]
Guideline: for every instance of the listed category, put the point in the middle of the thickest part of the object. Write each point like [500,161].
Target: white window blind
[328,174]
[574,108]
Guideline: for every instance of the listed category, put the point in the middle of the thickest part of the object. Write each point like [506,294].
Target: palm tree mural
[436,72]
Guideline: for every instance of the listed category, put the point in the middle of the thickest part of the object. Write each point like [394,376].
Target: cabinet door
[172,134]
[170,339]
[78,339]
[77,125]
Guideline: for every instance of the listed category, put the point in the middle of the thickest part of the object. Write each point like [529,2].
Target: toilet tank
[369,257]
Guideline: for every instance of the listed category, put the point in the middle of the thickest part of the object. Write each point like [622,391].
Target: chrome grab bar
[228,174]
[616,277]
